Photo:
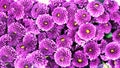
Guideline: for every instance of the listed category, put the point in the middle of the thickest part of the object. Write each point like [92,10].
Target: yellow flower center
[96,5]
[75,24]
[45,23]
[90,50]
[84,15]
[79,60]
[22,46]
[4,6]
[58,14]
[26,66]
[61,59]
[62,39]
[111,50]
[87,31]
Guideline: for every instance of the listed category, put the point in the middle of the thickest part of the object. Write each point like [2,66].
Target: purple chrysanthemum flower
[72,24]
[94,63]
[95,8]
[104,18]
[105,27]
[64,41]
[63,57]
[60,15]
[7,54]
[5,5]
[28,4]
[112,50]
[23,63]
[37,58]
[47,46]
[87,31]
[17,10]
[92,50]
[45,22]
[16,28]
[79,59]
[115,16]
[29,44]
[30,41]
[112,6]
[30,26]
[116,35]
[71,8]
[39,9]
[82,16]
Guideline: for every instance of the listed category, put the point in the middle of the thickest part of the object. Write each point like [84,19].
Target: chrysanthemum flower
[116,35]
[63,57]
[94,63]
[112,6]
[23,63]
[64,41]
[30,26]
[82,16]
[37,58]
[72,24]
[105,27]
[47,46]
[115,16]
[104,18]
[112,50]
[17,10]
[16,28]
[95,8]
[86,31]
[7,54]
[45,22]
[60,15]
[39,9]
[92,50]
[41,36]
[5,5]
[79,59]
[56,3]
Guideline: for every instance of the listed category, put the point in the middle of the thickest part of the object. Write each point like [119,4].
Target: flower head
[63,57]
[45,22]
[47,46]
[82,16]
[92,50]
[60,15]
[112,50]
[79,59]
[116,35]
[63,41]
[86,31]
[95,8]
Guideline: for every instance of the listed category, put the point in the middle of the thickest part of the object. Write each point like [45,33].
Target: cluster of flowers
[75,34]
